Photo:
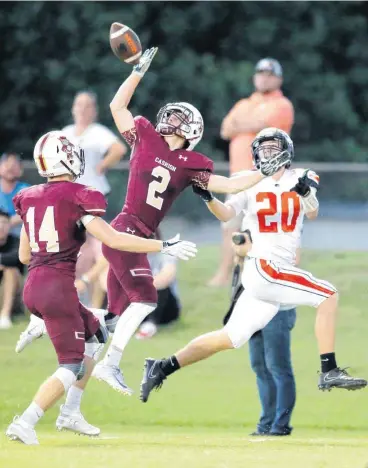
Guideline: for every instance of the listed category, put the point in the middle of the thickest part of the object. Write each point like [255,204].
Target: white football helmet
[55,155]
[190,126]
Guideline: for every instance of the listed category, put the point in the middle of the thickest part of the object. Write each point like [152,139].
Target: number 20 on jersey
[286,203]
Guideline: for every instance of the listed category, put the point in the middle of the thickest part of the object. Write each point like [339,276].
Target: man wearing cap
[11,170]
[266,107]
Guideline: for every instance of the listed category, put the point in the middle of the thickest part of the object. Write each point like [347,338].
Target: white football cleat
[113,376]
[36,329]
[22,431]
[5,323]
[75,422]
[146,330]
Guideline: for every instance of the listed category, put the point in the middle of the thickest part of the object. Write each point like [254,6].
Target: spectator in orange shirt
[266,107]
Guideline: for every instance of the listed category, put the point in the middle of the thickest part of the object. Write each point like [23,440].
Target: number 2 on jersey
[158,186]
[287,200]
[47,232]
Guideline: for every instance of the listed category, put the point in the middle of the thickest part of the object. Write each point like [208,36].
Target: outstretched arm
[222,211]
[119,105]
[221,184]
[126,242]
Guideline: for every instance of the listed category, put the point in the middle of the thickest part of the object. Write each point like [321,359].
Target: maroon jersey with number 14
[51,214]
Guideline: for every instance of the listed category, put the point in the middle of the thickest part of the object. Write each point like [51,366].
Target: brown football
[125,43]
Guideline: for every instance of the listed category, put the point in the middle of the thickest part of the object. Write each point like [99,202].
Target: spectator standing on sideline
[270,359]
[102,150]
[266,107]
[10,270]
[11,170]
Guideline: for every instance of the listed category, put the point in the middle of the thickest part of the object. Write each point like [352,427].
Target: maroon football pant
[51,295]
[129,278]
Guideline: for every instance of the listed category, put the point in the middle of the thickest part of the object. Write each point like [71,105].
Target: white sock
[73,399]
[127,325]
[32,414]
[113,356]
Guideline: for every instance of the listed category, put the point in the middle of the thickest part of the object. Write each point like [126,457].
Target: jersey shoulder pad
[90,200]
[142,123]
[198,161]
[19,197]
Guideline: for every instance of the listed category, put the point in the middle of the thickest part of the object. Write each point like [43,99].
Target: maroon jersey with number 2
[52,215]
[157,177]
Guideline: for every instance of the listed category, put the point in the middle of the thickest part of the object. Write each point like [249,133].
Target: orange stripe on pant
[293,278]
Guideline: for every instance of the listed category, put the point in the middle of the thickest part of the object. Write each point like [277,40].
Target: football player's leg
[294,286]
[135,278]
[67,335]
[240,327]
[110,373]
[70,417]
[36,329]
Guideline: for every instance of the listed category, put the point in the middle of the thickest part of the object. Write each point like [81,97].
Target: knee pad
[78,369]
[68,374]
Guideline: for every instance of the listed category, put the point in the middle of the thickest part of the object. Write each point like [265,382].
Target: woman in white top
[102,150]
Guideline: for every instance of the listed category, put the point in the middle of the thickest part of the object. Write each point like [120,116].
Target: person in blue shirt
[11,170]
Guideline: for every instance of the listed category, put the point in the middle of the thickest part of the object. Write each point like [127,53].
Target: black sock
[170,365]
[328,362]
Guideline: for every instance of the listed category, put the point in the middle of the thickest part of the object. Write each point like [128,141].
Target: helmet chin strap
[69,170]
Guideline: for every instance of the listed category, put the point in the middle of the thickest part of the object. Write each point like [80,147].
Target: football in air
[125,43]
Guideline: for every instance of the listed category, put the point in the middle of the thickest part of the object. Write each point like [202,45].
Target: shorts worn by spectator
[266,107]
[11,170]
[11,271]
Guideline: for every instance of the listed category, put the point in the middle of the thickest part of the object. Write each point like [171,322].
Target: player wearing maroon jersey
[163,163]
[51,237]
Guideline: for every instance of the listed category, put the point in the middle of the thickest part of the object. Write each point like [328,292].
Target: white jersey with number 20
[274,216]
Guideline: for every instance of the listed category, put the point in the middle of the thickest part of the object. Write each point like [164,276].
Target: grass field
[203,415]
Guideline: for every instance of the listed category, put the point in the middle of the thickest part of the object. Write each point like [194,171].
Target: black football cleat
[339,378]
[153,378]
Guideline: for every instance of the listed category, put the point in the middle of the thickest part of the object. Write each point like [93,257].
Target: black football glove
[206,195]
[303,187]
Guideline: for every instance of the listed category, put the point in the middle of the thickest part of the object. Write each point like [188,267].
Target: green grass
[203,415]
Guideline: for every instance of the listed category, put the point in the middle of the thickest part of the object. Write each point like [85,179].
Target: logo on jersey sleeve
[183,157]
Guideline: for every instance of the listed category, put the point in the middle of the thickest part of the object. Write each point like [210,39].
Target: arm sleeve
[200,174]
[134,134]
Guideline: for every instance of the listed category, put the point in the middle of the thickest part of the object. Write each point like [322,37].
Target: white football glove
[145,61]
[269,167]
[180,249]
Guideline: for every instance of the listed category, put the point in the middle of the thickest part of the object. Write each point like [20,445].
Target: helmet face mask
[55,155]
[181,119]
[269,143]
